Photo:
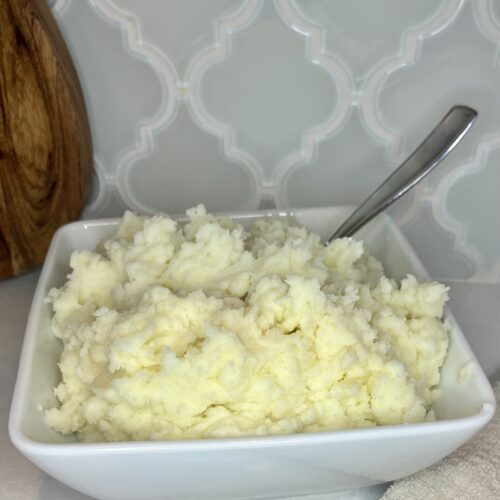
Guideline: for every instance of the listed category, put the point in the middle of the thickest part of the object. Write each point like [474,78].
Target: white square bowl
[254,467]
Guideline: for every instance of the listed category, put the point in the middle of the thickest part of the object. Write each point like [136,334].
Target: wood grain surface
[45,143]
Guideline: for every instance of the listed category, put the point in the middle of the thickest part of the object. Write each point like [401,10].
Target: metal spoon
[435,148]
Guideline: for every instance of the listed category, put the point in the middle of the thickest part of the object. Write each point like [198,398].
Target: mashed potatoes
[206,330]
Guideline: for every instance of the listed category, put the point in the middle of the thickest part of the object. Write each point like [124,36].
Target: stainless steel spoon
[435,148]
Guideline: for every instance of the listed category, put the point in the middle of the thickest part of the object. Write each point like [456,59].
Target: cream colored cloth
[472,472]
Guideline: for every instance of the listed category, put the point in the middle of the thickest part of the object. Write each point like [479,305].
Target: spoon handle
[435,148]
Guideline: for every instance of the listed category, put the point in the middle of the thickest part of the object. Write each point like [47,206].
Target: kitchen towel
[472,472]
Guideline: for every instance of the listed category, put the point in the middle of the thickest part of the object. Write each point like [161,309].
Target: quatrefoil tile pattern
[268,114]
[362,34]
[290,103]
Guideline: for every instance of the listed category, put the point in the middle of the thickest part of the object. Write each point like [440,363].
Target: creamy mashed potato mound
[205,329]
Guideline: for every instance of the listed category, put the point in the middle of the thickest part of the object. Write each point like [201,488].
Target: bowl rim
[30,446]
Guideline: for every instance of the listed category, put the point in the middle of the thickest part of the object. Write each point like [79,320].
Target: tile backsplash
[241,104]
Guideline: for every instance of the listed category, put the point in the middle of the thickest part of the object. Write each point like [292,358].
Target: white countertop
[19,478]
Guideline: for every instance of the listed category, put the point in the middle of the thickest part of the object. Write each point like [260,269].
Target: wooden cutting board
[45,143]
